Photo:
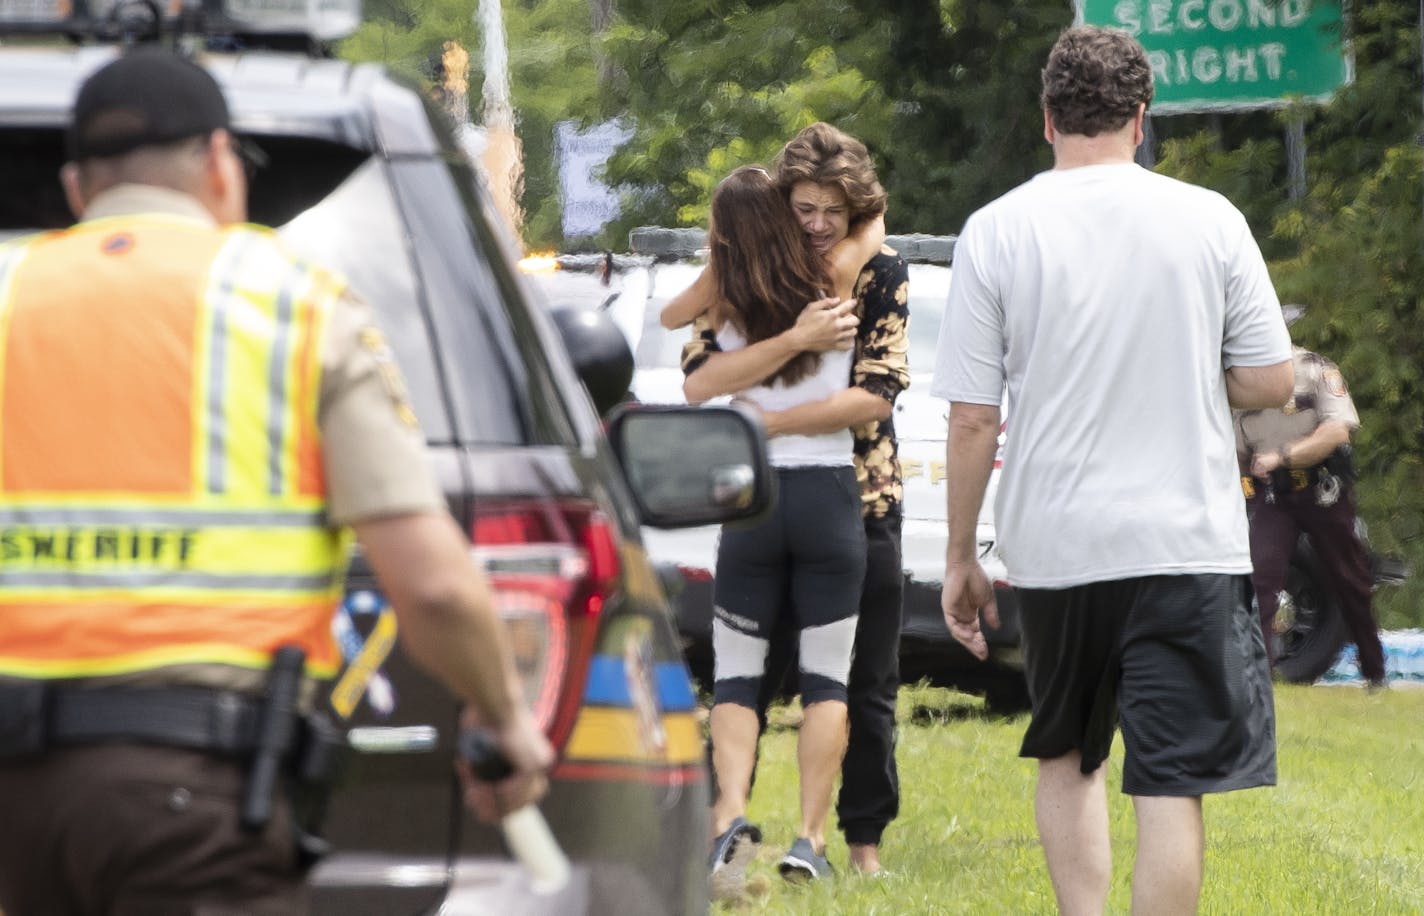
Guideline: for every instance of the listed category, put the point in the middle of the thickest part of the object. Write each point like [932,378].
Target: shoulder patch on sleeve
[375,343]
[1334,382]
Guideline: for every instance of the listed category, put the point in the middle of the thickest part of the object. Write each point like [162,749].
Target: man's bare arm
[1322,441]
[1305,452]
[1257,387]
[969,460]
[444,607]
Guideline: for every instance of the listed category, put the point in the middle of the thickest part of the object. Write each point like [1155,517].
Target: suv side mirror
[692,466]
[599,352]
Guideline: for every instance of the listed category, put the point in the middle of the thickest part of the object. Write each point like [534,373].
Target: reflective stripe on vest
[161,490]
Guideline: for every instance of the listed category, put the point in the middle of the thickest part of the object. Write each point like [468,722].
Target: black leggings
[807,558]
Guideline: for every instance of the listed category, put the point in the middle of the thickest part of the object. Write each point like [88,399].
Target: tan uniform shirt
[1320,395]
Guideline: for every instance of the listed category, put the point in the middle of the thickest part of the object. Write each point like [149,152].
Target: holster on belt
[317,768]
[1341,463]
[303,755]
[1293,480]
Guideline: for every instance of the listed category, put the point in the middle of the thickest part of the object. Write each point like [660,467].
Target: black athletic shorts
[806,559]
[1178,660]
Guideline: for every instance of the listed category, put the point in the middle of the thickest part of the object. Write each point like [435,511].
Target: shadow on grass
[925,704]
[920,704]
[942,714]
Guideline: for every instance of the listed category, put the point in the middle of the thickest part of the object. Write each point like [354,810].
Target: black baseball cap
[148,97]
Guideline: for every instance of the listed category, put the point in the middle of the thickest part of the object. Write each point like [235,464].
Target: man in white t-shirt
[1124,313]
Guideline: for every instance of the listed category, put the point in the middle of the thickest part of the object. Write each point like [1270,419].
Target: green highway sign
[1215,55]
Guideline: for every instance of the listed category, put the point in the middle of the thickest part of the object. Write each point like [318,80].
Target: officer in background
[1298,475]
[189,418]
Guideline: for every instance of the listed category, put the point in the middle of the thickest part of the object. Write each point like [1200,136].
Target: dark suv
[364,177]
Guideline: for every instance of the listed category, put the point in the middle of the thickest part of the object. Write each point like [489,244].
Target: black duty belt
[1293,479]
[1285,480]
[279,745]
[35,716]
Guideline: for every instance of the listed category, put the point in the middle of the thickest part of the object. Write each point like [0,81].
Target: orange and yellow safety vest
[161,492]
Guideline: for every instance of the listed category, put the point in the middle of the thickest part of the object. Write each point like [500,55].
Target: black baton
[275,730]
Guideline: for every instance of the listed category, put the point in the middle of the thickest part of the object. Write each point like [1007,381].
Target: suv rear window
[357,230]
[30,195]
[299,174]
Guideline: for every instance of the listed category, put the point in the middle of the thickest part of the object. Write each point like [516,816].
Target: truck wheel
[1309,629]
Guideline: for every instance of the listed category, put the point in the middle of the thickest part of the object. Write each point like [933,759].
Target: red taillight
[553,564]
[601,543]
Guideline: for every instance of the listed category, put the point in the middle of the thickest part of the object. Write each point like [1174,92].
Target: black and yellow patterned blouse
[881,367]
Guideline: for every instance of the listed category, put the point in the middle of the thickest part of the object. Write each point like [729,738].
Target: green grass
[1342,832]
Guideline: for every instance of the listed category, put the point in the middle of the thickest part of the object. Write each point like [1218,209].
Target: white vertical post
[503,155]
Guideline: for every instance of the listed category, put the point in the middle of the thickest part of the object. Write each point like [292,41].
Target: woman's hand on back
[824,325]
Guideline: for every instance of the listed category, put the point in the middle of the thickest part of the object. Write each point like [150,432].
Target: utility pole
[503,156]
[601,16]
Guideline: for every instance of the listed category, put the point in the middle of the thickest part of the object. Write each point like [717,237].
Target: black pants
[1276,525]
[804,562]
[870,783]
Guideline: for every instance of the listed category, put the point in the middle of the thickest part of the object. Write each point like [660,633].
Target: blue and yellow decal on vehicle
[639,721]
[364,655]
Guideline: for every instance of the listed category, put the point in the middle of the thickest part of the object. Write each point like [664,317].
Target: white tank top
[833,375]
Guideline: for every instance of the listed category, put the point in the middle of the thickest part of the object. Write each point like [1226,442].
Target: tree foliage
[552,76]
[943,93]
[713,85]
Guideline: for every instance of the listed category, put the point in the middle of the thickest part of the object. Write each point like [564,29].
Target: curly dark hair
[1095,79]
[766,269]
[828,155]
